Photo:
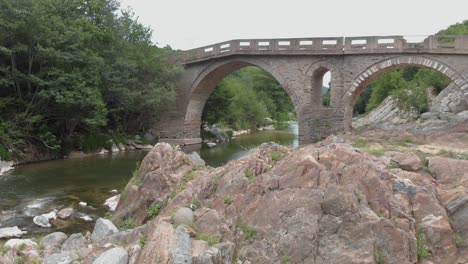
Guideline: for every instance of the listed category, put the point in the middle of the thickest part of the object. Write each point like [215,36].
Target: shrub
[248,231]
[93,142]
[277,155]
[250,175]
[228,200]
[422,249]
[378,256]
[153,210]
[212,240]
[285,260]
[4,153]
[127,224]
[376,152]
[360,143]
[360,196]
[142,241]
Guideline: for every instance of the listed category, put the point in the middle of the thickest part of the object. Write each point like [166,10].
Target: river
[34,189]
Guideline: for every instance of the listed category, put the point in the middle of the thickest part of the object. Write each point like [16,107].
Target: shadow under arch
[371,73]
[210,77]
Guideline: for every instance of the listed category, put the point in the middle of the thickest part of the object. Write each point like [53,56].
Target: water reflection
[245,144]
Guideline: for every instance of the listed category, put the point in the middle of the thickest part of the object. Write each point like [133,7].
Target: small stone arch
[372,72]
[208,79]
[315,74]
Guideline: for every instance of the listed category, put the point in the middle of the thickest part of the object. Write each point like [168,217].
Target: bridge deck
[438,44]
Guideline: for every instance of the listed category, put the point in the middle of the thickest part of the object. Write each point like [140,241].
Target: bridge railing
[332,45]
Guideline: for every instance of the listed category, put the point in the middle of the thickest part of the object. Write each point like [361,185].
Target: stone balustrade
[437,44]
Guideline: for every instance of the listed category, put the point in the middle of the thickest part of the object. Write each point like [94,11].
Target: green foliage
[360,143]
[212,240]
[228,200]
[360,196]
[326,98]
[142,241]
[245,98]
[277,155]
[457,29]
[189,176]
[21,260]
[4,249]
[248,231]
[285,260]
[459,241]
[378,256]
[250,175]
[377,152]
[72,69]
[93,142]
[422,249]
[4,153]
[22,247]
[153,210]
[127,224]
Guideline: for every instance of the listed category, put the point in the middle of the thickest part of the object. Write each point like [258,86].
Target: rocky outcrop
[323,203]
[387,112]
[446,110]
[326,204]
[451,99]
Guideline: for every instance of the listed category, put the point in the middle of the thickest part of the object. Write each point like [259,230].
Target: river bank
[45,187]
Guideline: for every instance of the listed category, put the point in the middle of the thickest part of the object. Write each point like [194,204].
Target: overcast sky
[186,24]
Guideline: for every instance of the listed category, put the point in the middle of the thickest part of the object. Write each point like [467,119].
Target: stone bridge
[299,66]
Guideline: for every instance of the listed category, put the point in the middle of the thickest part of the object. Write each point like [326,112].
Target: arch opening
[412,83]
[238,95]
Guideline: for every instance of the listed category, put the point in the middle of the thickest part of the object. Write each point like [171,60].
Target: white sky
[186,24]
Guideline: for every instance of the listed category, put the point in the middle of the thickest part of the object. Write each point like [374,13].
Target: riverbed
[34,189]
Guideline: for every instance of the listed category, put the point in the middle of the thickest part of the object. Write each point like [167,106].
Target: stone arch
[375,70]
[205,83]
[315,74]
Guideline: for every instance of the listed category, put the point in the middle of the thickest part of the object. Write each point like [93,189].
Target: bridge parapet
[439,44]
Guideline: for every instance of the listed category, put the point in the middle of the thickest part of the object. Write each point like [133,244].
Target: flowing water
[34,189]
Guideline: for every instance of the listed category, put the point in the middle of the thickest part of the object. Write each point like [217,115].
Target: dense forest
[407,85]
[246,99]
[74,74]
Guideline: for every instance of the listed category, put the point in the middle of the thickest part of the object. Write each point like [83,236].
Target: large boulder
[52,242]
[59,258]
[113,256]
[449,171]
[15,242]
[103,228]
[451,99]
[74,242]
[41,221]
[9,232]
[406,160]
[112,202]
[183,216]
[65,213]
